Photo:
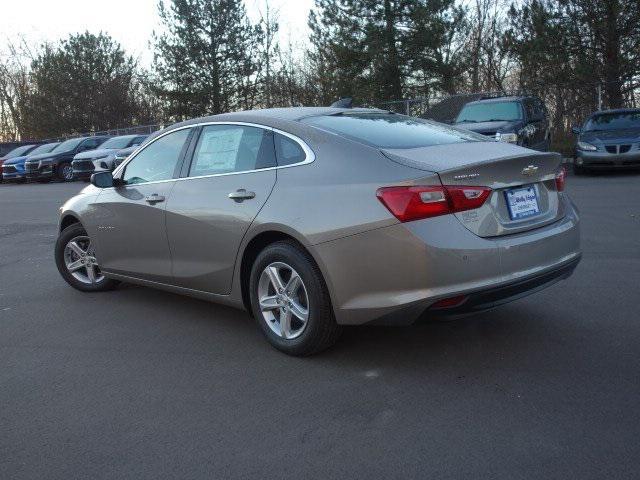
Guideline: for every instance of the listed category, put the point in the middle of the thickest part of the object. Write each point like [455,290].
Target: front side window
[232,148]
[158,161]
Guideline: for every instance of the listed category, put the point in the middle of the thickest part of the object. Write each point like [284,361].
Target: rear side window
[288,151]
[385,130]
[232,148]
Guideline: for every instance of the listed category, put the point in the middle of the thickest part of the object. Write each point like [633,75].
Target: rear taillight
[415,202]
[561,179]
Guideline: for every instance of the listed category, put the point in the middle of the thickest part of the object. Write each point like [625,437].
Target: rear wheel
[76,261]
[290,300]
[65,172]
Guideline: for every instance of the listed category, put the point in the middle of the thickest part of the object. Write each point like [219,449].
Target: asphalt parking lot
[138,383]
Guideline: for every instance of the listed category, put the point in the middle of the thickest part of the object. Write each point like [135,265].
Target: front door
[131,231]
[210,210]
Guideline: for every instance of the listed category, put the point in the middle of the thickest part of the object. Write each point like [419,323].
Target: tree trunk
[612,67]
[393,87]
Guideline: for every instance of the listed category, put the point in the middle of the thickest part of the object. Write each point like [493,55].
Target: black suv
[57,163]
[523,120]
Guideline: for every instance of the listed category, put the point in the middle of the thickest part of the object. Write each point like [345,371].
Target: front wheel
[578,170]
[65,172]
[76,261]
[290,301]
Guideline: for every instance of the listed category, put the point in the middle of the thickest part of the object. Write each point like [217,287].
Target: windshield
[117,142]
[46,148]
[613,121]
[386,130]
[68,145]
[16,152]
[490,112]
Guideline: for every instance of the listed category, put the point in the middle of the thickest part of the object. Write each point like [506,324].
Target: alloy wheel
[67,172]
[80,261]
[283,300]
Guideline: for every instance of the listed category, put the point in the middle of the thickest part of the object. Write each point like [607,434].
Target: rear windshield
[490,112]
[613,121]
[387,130]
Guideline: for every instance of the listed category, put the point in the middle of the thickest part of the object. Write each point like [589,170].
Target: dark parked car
[57,163]
[16,152]
[608,139]
[13,169]
[522,120]
[85,163]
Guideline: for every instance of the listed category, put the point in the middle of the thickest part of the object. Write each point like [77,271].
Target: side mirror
[102,179]
[576,130]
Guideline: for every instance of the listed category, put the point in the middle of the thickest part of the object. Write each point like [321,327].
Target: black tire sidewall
[321,329]
[65,236]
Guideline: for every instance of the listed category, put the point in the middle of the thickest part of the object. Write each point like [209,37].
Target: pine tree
[205,62]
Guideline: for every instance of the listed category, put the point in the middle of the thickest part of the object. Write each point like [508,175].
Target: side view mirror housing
[102,180]
[576,130]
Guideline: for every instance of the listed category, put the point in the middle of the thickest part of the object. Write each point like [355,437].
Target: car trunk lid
[520,179]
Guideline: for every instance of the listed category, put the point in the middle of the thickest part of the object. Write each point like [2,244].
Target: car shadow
[473,340]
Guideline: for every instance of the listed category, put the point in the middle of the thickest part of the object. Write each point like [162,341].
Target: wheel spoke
[91,273]
[73,266]
[269,303]
[293,284]
[274,276]
[285,323]
[77,249]
[299,311]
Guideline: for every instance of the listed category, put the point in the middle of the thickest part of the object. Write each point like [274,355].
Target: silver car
[316,218]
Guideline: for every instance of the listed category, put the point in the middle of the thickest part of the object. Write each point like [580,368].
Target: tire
[62,170]
[578,170]
[63,257]
[320,330]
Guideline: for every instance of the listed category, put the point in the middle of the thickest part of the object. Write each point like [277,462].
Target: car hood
[499,126]
[91,154]
[630,135]
[15,160]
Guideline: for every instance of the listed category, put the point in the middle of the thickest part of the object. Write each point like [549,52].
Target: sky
[130,22]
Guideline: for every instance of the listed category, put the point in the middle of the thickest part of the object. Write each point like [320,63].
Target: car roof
[511,98]
[273,117]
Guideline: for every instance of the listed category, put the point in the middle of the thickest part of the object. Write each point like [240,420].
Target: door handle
[241,194]
[154,198]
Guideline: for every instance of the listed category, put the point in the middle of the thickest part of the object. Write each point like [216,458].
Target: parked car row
[72,159]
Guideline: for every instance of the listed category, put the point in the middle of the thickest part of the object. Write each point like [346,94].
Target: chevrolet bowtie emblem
[530,170]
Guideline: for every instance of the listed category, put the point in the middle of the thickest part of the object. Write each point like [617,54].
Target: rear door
[224,187]
[131,231]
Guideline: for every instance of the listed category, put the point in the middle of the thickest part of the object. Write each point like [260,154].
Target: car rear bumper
[393,275]
[605,160]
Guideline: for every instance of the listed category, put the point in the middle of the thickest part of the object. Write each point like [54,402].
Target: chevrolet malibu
[316,218]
